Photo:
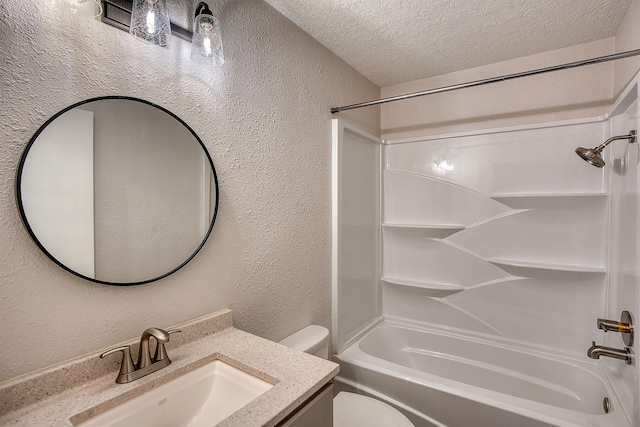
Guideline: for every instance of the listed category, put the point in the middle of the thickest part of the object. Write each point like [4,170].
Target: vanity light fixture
[150,21]
[206,44]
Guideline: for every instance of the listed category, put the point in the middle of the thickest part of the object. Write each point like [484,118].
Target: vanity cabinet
[316,412]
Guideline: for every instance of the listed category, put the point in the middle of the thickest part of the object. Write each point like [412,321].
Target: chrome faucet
[146,363]
[595,351]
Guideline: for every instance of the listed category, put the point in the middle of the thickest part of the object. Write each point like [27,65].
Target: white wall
[57,190]
[625,296]
[624,275]
[264,117]
[486,234]
[356,233]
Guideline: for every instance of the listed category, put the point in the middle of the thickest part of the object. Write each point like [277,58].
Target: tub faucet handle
[614,326]
[624,326]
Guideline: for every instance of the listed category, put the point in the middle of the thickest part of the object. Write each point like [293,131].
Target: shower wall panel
[624,276]
[501,233]
[356,232]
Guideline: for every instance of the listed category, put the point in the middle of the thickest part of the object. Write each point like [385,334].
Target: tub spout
[595,351]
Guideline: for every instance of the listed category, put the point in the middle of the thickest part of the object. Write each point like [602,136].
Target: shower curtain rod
[598,60]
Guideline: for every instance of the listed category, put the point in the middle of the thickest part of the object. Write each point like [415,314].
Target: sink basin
[202,397]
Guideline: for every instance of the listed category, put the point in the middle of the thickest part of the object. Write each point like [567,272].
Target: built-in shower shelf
[512,266]
[525,200]
[434,231]
[431,289]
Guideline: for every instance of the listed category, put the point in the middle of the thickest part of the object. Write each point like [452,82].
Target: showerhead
[592,155]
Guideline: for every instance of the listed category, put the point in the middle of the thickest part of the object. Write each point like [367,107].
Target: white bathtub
[441,379]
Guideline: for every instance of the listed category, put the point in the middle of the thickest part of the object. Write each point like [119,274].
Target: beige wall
[580,92]
[264,117]
[627,38]
[567,94]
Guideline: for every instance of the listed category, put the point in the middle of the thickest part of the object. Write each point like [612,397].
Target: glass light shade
[150,21]
[206,44]
[79,8]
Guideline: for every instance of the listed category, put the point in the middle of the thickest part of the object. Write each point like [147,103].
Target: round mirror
[117,190]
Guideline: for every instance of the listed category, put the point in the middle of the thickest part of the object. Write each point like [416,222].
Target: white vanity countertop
[70,393]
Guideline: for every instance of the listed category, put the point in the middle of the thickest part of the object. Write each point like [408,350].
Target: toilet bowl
[349,409]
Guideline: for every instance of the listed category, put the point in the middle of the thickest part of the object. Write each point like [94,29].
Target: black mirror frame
[42,248]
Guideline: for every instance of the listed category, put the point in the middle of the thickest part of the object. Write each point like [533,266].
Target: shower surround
[503,239]
[486,233]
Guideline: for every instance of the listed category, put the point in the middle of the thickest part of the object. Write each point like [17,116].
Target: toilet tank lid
[310,339]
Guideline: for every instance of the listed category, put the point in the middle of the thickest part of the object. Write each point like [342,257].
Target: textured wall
[264,116]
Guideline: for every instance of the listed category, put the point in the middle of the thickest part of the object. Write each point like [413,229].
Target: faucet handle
[624,326]
[161,352]
[126,366]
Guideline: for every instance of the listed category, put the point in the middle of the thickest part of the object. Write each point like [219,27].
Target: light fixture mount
[206,40]
[117,13]
[203,9]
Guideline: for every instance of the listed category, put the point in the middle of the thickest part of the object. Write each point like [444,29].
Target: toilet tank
[313,339]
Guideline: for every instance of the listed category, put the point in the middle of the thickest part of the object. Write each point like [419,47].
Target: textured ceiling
[396,41]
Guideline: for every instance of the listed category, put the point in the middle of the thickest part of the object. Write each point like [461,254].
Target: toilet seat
[353,410]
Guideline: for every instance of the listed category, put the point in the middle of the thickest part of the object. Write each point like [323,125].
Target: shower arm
[631,137]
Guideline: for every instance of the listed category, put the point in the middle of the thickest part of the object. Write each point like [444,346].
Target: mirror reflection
[118,190]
